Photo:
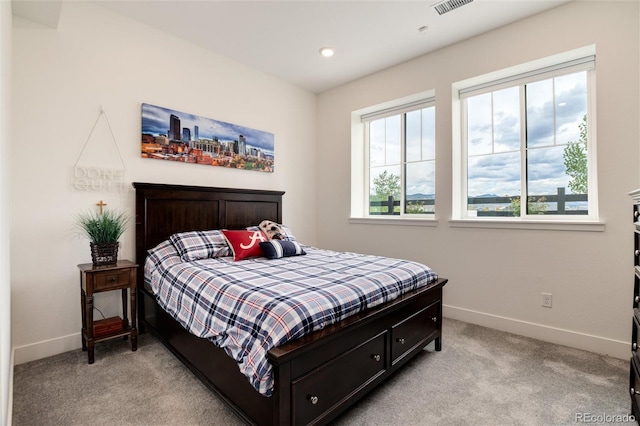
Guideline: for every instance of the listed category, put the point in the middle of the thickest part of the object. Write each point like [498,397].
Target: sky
[155,120]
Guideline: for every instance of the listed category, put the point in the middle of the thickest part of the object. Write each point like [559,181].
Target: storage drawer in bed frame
[315,393]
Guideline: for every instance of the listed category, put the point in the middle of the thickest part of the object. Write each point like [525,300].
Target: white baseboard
[39,350]
[587,342]
[615,348]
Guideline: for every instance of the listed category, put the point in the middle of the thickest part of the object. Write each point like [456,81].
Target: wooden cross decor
[101,204]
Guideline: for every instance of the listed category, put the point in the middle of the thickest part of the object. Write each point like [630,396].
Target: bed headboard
[162,210]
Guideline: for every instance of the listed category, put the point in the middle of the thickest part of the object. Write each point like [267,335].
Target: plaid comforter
[250,306]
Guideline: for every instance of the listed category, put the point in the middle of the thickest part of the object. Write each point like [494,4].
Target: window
[526,150]
[398,172]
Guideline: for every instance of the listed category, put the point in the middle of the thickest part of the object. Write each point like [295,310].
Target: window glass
[402,163]
[528,141]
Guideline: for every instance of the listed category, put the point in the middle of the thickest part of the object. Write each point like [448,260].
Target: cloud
[420,178]
[494,129]
[497,174]
[568,109]
[546,170]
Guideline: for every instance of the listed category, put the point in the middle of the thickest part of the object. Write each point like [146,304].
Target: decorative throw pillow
[245,243]
[286,232]
[195,245]
[275,249]
[272,230]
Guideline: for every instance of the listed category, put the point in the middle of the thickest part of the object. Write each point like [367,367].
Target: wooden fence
[561,198]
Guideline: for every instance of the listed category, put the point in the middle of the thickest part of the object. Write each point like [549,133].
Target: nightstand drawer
[109,280]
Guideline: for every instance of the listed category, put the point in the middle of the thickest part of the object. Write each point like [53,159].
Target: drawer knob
[313,399]
[637,252]
[376,357]
[434,319]
[112,279]
[400,340]
[636,213]
[637,299]
[634,347]
[632,391]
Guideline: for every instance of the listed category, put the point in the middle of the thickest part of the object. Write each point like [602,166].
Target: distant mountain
[420,196]
[432,196]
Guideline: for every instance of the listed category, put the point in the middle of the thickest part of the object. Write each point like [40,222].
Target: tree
[575,161]
[386,184]
[534,206]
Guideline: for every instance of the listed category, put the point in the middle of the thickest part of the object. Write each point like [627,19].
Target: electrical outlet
[546,300]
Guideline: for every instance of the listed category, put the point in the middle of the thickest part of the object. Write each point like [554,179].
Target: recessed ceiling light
[327,52]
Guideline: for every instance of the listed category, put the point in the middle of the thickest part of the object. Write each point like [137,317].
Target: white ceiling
[283,38]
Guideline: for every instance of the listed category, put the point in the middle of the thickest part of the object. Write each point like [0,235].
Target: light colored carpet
[481,377]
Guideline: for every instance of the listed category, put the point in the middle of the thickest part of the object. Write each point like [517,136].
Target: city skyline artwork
[172,135]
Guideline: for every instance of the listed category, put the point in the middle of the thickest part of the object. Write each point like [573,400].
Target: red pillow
[245,243]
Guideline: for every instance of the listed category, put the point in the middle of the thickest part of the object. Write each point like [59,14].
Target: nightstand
[95,279]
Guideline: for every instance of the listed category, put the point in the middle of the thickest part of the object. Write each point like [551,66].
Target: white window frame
[565,63]
[360,160]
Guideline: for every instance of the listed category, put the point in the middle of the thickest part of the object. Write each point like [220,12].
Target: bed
[315,377]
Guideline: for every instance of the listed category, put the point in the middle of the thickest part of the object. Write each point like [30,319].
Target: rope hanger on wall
[113,139]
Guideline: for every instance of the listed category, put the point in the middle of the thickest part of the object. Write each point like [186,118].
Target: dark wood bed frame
[318,376]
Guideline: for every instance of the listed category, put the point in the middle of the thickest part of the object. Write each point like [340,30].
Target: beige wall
[5,202]
[497,276]
[61,79]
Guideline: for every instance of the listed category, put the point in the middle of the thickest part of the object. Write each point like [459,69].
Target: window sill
[393,221]
[529,224]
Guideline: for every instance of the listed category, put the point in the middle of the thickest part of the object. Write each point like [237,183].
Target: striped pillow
[275,249]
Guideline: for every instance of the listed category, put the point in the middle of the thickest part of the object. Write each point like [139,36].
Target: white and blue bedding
[250,306]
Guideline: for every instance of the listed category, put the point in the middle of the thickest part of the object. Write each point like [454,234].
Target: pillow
[160,253]
[275,249]
[272,230]
[244,243]
[288,235]
[195,245]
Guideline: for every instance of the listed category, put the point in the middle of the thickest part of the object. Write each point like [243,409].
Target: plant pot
[104,253]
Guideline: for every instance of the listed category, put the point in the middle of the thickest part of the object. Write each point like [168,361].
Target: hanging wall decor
[179,136]
[99,166]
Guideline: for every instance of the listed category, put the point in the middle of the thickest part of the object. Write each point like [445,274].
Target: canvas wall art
[179,136]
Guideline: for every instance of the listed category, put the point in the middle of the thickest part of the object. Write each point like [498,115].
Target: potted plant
[103,231]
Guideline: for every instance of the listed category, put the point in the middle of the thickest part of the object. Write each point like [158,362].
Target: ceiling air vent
[448,5]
